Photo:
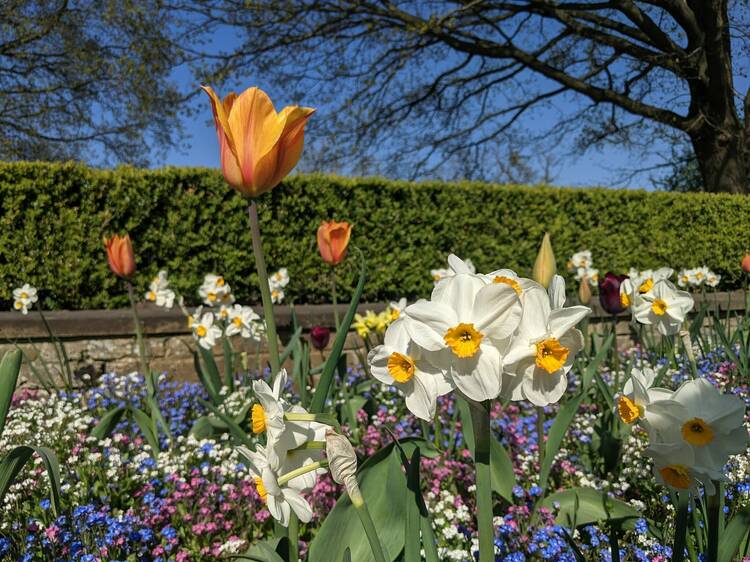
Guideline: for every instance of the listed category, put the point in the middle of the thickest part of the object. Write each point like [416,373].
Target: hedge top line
[359,181]
[188,221]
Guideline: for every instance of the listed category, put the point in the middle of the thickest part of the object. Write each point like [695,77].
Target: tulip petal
[256,129]
[291,142]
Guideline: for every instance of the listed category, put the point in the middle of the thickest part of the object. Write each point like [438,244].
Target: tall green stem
[540,434]
[714,515]
[680,533]
[62,355]
[335,299]
[139,338]
[265,290]
[293,538]
[480,420]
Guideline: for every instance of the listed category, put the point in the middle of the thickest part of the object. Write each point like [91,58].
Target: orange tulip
[746,263]
[120,255]
[258,146]
[333,240]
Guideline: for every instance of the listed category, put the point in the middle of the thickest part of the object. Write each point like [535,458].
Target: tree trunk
[722,157]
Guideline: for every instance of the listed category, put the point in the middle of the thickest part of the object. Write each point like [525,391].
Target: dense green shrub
[188,221]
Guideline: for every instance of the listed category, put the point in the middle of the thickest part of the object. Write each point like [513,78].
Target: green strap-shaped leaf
[14,462]
[11,465]
[269,550]
[326,379]
[555,436]
[412,533]
[228,363]
[211,371]
[290,345]
[147,428]
[207,381]
[501,470]
[10,366]
[109,421]
[593,366]
[733,535]
[579,507]
[347,556]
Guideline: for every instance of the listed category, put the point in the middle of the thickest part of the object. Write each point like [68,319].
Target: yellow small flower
[360,326]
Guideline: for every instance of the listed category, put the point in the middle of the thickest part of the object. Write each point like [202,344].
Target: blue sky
[601,167]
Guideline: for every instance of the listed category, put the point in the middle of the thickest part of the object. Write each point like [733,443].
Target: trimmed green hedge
[188,221]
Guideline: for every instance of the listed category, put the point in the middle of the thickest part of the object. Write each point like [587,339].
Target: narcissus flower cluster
[698,277]
[692,431]
[159,292]
[654,300]
[285,467]
[24,297]
[583,265]
[484,334]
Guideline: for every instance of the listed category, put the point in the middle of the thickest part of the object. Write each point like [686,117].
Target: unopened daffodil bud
[544,266]
[342,462]
[584,290]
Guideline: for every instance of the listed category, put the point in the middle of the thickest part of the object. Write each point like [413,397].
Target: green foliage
[189,222]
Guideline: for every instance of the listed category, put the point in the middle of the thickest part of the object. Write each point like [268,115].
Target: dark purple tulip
[609,292]
[319,337]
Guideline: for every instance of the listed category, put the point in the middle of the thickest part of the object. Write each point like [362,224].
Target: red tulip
[120,255]
[333,240]
[609,292]
[319,337]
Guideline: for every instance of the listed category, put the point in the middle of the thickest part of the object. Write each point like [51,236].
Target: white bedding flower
[664,306]
[242,320]
[24,297]
[204,329]
[471,319]
[402,363]
[542,349]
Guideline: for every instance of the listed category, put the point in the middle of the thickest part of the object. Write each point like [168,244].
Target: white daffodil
[713,279]
[277,295]
[280,279]
[674,466]
[470,318]
[244,321]
[402,363]
[638,394]
[580,261]
[665,306]
[24,297]
[542,349]
[709,422]
[683,277]
[455,265]
[395,308]
[556,292]
[204,330]
[281,498]
[700,275]
[215,291]
[283,436]
[159,292]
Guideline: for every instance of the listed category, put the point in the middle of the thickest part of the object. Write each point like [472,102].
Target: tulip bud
[746,263]
[584,290]
[342,462]
[319,337]
[333,241]
[544,266]
[120,255]
[609,292]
